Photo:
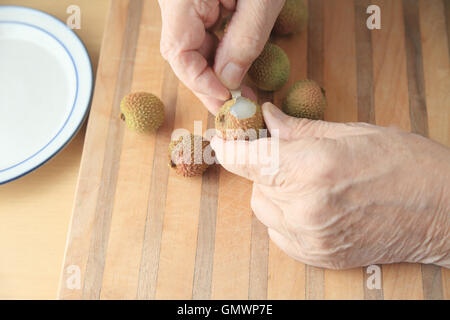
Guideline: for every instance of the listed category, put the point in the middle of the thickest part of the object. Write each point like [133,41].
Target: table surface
[140,231]
[35,210]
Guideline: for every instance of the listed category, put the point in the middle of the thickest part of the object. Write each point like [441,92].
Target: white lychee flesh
[243,109]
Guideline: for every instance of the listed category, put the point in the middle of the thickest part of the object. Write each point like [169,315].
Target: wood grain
[364,64]
[146,233]
[436,67]
[135,171]
[111,160]
[339,22]
[392,108]
[148,272]
[290,284]
[402,281]
[259,254]
[366,96]
[179,236]
[447,21]
[314,285]
[389,63]
[233,238]
[204,259]
[30,218]
[95,147]
[416,81]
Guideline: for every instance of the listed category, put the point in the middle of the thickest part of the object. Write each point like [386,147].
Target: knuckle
[327,163]
[253,44]
[204,7]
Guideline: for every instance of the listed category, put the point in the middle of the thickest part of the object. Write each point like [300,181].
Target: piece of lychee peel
[194,166]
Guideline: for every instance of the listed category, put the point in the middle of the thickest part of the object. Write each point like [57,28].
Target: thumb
[258,160]
[290,128]
[247,33]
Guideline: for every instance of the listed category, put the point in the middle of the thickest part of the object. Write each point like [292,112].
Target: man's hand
[188,46]
[348,195]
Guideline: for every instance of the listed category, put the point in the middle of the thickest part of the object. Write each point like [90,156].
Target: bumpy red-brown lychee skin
[193,165]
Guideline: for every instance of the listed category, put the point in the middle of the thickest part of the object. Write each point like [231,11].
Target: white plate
[45,89]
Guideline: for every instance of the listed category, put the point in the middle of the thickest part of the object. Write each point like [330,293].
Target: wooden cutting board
[140,231]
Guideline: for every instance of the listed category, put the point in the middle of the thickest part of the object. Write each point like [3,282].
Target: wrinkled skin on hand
[206,66]
[349,195]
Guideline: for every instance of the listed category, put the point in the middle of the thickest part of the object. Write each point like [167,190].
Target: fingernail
[232,75]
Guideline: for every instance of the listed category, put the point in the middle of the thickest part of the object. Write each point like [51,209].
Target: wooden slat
[339,22]
[392,108]
[104,207]
[138,230]
[416,80]
[446,283]
[316,39]
[204,259]
[259,255]
[344,284]
[402,281]
[389,63]
[366,103]
[432,282]
[130,208]
[259,245]
[436,67]
[286,280]
[148,272]
[90,180]
[447,22]
[286,276]
[341,95]
[364,64]
[233,237]
[314,283]
[179,234]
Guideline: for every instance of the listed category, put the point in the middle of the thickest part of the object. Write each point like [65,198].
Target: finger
[183,37]
[212,104]
[256,160]
[230,5]
[247,33]
[265,210]
[290,128]
[193,70]
[248,93]
[208,47]
[208,11]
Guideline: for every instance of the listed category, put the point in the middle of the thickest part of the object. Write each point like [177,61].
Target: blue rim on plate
[87,107]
